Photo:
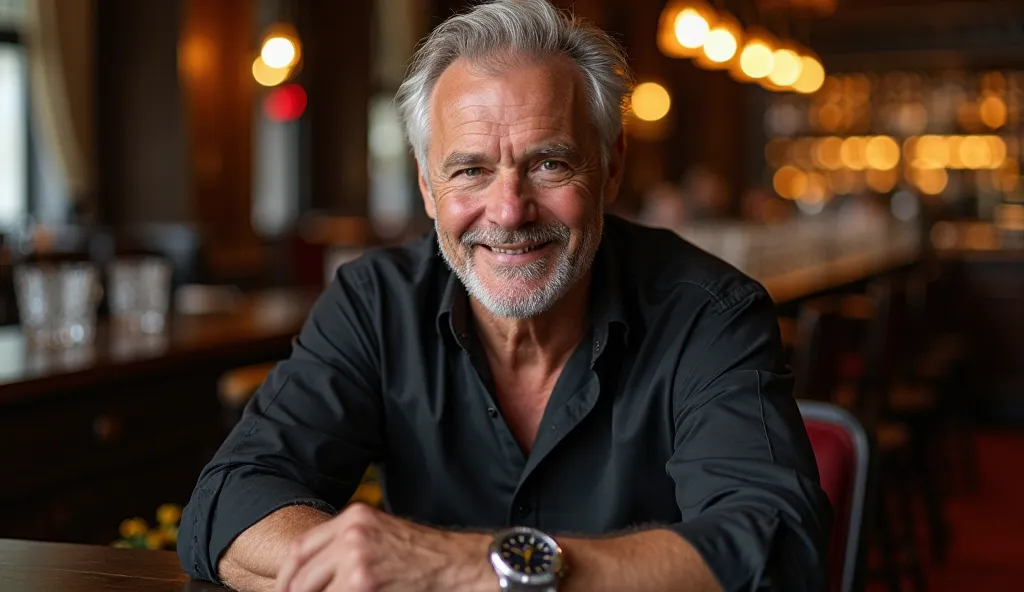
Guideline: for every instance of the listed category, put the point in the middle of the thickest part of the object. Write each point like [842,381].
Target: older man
[554,399]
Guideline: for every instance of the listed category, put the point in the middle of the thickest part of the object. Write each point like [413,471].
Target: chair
[844,455]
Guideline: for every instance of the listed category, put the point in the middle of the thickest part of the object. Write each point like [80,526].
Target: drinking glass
[57,303]
[140,291]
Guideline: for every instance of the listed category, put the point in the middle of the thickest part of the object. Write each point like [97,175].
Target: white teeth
[514,251]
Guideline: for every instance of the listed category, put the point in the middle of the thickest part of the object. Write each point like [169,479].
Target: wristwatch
[526,559]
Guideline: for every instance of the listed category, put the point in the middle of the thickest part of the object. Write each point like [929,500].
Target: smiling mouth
[516,250]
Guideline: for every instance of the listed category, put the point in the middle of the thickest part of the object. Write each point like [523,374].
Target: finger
[301,549]
[316,574]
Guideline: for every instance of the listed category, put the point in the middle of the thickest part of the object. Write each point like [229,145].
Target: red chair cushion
[837,464]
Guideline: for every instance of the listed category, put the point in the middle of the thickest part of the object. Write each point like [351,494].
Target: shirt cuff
[209,527]
[735,547]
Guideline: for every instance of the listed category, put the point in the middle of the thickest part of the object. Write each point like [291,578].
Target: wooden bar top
[259,322]
[30,566]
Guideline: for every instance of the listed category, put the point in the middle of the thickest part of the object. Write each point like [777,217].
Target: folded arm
[298,453]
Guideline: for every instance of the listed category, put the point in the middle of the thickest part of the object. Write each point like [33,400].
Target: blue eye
[471,172]
[551,166]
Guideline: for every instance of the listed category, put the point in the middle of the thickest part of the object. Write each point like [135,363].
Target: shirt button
[492,412]
[597,344]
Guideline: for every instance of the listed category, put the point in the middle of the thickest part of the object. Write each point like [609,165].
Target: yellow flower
[154,539]
[133,527]
[170,534]
[168,514]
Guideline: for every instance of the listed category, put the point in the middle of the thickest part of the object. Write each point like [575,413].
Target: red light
[285,103]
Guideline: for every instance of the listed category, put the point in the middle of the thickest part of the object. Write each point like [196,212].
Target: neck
[543,342]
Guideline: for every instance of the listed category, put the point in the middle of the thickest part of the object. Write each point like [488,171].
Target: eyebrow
[467,159]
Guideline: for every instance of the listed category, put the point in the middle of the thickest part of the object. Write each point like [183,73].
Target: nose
[509,204]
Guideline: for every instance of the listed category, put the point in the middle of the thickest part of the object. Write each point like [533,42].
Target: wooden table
[29,566]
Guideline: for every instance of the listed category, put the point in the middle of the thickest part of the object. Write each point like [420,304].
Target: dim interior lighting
[286,103]
[882,181]
[827,153]
[650,101]
[817,191]
[786,67]
[975,152]
[812,75]
[789,182]
[722,43]
[882,153]
[931,152]
[683,27]
[757,59]
[930,181]
[852,153]
[268,76]
[278,52]
[992,111]
[691,28]
[842,182]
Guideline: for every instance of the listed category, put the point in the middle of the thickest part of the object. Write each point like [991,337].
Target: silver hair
[498,32]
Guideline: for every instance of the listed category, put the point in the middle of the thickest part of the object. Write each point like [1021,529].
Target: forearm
[652,560]
[253,559]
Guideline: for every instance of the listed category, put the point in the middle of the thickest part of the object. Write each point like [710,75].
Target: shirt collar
[607,308]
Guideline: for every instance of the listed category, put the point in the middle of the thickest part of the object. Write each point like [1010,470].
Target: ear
[428,198]
[616,165]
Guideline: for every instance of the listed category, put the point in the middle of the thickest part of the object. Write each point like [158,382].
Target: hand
[366,550]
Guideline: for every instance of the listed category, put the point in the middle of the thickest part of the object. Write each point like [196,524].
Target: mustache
[553,232]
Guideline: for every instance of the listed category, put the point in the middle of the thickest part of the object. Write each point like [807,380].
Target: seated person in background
[612,391]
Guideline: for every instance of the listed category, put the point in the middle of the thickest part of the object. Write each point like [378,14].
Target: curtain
[59,42]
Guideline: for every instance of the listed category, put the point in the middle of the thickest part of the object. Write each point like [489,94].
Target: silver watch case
[514,580]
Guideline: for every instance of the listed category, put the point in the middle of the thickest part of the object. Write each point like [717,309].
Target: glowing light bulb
[650,101]
[757,59]
[278,52]
[266,75]
[786,68]
[812,76]
[720,45]
[691,28]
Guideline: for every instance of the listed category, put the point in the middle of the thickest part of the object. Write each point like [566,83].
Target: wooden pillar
[140,139]
[337,74]
[216,51]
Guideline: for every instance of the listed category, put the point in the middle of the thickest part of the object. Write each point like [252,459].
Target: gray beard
[520,303]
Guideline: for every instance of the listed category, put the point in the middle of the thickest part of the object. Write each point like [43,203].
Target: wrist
[470,570]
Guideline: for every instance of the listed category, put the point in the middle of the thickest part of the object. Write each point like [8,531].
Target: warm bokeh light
[992,111]
[278,52]
[691,28]
[827,153]
[812,76]
[842,182]
[882,181]
[997,151]
[930,181]
[789,182]
[830,117]
[287,103]
[721,45]
[775,152]
[882,153]
[266,75]
[757,59]
[650,101]
[931,152]
[786,68]
[852,153]
[817,191]
[975,152]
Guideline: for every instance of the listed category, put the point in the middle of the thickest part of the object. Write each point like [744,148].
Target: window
[14,167]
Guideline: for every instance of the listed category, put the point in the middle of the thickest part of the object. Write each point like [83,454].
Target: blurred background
[179,178]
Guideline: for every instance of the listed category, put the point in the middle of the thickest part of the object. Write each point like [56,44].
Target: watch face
[528,554]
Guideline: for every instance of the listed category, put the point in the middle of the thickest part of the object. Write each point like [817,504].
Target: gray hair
[503,30]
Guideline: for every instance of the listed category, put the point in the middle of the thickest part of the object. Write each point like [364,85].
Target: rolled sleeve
[745,474]
[305,438]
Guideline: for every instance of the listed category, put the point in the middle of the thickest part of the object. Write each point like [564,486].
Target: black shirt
[676,410]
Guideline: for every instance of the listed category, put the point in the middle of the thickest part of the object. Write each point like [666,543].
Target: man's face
[516,188]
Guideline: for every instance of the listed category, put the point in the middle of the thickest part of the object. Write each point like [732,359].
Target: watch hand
[528,554]
[518,552]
